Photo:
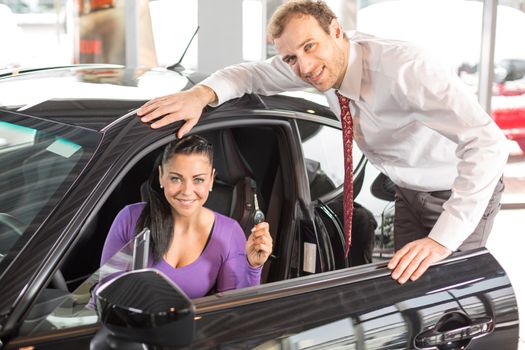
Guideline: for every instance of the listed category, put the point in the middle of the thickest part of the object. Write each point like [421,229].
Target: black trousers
[416,212]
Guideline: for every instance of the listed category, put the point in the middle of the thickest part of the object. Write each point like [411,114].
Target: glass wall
[33,33]
[59,32]
[508,100]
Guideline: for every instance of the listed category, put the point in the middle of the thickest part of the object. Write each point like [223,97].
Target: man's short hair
[317,9]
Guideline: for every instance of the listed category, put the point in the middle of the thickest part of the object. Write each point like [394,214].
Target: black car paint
[249,317]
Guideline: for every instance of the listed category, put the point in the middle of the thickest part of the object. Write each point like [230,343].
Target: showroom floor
[507,240]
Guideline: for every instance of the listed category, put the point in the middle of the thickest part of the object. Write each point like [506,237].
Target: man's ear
[335,29]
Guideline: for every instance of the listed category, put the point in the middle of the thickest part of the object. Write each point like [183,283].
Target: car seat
[234,186]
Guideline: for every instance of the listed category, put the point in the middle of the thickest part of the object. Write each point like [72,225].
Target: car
[75,153]
[508,101]
[508,96]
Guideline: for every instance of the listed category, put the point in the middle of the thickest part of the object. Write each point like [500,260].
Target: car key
[258,217]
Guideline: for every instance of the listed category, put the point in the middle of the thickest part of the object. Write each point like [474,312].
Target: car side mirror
[144,306]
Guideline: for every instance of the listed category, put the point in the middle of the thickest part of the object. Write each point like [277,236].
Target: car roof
[91,96]
[94,96]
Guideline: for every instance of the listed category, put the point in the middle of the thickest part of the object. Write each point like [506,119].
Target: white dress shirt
[414,119]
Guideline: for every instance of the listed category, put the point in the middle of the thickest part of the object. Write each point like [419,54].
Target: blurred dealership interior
[481,40]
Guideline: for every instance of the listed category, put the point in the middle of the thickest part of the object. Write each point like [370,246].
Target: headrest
[228,161]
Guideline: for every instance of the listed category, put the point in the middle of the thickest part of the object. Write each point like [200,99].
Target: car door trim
[307,284]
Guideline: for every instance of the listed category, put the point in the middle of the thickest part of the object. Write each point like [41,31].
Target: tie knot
[343,101]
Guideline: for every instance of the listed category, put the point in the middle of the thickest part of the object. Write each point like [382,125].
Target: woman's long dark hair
[157,215]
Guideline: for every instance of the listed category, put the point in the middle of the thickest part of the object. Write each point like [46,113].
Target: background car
[75,153]
[508,101]
[508,96]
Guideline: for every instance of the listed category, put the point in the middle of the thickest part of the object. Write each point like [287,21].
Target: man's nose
[305,65]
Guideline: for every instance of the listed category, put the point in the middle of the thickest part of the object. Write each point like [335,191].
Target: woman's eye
[198,180]
[308,46]
[175,179]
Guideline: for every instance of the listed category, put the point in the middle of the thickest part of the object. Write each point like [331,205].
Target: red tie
[348,203]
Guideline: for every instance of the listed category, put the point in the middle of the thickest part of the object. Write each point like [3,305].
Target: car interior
[240,173]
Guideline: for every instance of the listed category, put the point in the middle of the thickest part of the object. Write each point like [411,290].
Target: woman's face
[187,180]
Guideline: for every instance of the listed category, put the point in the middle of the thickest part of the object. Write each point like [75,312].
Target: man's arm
[267,77]
[448,107]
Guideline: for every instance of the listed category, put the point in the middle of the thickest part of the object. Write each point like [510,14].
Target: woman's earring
[161,186]
[211,189]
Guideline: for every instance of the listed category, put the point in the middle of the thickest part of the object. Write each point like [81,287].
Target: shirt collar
[351,84]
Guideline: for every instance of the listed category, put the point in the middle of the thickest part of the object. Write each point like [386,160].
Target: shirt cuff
[450,231]
[222,89]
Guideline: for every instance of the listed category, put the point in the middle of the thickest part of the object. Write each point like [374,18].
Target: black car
[73,153]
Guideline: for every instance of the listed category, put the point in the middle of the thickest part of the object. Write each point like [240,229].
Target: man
[413,119]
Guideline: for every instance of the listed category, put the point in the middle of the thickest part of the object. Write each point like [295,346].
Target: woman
[197,248]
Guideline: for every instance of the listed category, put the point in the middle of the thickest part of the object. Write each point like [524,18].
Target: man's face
[320,59]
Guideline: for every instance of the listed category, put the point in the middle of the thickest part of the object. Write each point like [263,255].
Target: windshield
[40,160]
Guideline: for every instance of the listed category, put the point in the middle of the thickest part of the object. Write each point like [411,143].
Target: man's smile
[315,76]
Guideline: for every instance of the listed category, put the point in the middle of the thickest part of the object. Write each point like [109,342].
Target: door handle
[454,328]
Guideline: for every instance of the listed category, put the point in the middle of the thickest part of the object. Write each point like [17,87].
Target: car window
[323,152]
[78,308]
[39,161]
[373,215]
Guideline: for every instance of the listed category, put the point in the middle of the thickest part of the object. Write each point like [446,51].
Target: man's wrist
[208,94]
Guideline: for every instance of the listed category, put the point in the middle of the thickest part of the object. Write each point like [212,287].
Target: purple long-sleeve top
[222,263]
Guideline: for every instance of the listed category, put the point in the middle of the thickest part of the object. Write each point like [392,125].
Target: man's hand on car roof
[185,105]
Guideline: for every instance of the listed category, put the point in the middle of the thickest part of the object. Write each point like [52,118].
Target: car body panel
[352,308]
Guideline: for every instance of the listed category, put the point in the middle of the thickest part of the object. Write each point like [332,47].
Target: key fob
[258,217]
